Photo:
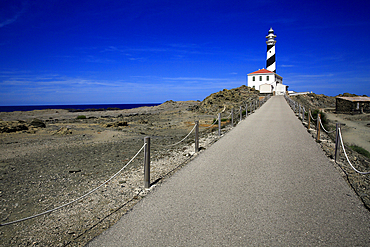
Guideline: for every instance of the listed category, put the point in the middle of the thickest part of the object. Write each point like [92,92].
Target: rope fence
[79,198]
[170,145]
[338,137]
[146,147]
[345,154]
[322,126]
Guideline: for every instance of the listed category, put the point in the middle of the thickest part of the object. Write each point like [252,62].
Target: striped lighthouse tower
[270,61]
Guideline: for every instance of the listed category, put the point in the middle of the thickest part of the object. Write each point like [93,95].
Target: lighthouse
[270,60]
[266,80]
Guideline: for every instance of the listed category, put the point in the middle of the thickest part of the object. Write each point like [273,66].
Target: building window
[260,77]
[267,78]
[254,78]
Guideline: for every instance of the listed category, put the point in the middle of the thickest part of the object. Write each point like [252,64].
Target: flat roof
[356,99]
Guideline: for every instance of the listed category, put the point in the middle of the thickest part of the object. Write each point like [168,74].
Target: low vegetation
[360,150]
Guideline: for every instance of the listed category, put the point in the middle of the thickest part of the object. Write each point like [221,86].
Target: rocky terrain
[315,101]
[51,157]
[228,99]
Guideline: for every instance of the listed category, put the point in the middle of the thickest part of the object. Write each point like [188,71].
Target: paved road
[266,182]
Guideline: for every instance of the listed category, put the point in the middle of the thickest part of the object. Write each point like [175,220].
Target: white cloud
[14,18]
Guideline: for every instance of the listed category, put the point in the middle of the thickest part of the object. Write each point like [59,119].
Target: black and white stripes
[270,61]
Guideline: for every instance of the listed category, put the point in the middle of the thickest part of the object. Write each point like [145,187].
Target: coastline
[82,107]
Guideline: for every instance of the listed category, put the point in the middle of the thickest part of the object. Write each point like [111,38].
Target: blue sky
[90,52]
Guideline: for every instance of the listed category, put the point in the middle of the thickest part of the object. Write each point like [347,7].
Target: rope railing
[322,126]
[170,145]
[339,138]
[345,153]
[78,199]
[212,124]
[313,119]
[146,145]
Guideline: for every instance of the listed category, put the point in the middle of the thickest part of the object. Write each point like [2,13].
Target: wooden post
[219,124]
[241,113]
[309,118]
[318,127]
[147,162]
[299,112]
[295,107]
[196,136]
[246,110]
[232,117]
[303,113]
[337,142]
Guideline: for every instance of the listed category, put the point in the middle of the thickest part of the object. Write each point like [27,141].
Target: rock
[116,124]
[63,131]
[74,171]
[9,127]
[37,123]
[143,121]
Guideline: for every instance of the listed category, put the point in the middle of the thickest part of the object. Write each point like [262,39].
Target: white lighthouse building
[266,80]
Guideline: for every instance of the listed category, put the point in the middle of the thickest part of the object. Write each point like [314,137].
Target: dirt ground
[355,128]
[44,167]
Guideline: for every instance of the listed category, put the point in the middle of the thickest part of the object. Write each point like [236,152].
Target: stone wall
[347,106]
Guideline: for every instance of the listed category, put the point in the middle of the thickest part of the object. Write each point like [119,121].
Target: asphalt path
[265,183]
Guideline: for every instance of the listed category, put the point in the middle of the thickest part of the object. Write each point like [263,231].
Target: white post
[147,162]
[196,136]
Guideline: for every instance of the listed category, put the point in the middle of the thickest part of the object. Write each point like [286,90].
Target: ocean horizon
[73,107]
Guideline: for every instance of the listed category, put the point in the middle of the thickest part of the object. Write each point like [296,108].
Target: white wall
[260,79]
[265,88]
[280,89]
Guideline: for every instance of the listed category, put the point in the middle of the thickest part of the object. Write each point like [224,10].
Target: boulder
[37,123]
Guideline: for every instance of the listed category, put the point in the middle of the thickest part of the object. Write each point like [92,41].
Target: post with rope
[318,128]
[219,124]
[299,113]
[295,107]
[309,118]
[241,113]
[232,117]
[147,162]
[303,113]
[246,110]
[337,142]
[196,136]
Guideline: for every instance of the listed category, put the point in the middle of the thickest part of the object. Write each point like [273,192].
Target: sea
[73,107]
